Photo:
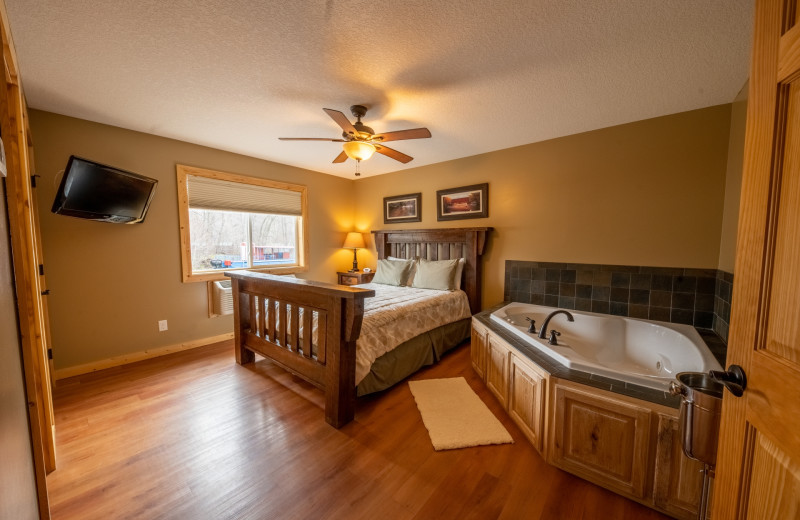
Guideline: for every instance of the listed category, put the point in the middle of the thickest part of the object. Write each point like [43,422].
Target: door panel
[784,328]
[604,441]
[775,481]
[497,355]
[758,472]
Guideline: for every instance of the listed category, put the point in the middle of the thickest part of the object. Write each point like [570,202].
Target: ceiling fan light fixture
[358,150]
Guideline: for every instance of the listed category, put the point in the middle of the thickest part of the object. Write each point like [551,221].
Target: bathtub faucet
[543,330]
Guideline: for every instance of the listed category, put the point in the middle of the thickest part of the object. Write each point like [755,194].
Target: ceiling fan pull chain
[358,174]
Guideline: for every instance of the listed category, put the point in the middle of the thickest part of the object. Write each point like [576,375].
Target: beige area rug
[455,416]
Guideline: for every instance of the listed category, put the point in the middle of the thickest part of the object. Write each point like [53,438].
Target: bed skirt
[423,350]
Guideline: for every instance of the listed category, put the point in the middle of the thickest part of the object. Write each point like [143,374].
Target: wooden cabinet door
[604,441]
[497,355]
[527,398]
[678,480]
[758,463]
[477,349]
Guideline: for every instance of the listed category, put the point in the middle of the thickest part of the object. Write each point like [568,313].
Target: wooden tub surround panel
[325,358]
[625,444]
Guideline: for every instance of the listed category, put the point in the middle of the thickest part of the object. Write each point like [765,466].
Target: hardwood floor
[193,435]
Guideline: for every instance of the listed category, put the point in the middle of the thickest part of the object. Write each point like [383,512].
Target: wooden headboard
[440,244]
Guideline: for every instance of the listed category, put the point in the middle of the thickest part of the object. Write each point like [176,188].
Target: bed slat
[257,311]
[282,324]
[307,319]
[295,333]
[321,336]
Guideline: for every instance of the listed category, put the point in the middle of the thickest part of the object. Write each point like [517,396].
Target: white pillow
[412,272]
[436,274]
[459,270]
[392,272]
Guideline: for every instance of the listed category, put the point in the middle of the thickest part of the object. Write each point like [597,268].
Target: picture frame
[463,202]
[402,208]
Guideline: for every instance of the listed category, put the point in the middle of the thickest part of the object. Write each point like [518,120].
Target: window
[230,221]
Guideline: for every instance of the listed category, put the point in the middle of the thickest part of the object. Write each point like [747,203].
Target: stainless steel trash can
[701,405]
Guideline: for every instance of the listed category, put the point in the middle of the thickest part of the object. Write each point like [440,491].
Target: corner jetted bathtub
[642,352]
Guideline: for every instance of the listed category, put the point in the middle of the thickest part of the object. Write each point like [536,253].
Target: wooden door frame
[25,256]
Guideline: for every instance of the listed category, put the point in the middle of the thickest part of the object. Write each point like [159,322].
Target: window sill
[219,274]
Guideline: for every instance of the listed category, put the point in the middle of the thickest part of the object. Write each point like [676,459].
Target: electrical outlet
[162,325]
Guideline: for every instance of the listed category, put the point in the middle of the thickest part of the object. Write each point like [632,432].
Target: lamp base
[355,262]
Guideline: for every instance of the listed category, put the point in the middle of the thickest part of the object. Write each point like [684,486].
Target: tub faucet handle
[532,326]
[554,337]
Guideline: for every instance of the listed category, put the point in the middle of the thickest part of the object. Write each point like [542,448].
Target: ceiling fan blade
[342,157]
[310,139]
[394,154]
[400,135]
[342,121]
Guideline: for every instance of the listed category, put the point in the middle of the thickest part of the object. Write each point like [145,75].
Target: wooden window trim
[183,220]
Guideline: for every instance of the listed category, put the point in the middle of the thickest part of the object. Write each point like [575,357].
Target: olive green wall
[644,193]
[733,182]
[111,283]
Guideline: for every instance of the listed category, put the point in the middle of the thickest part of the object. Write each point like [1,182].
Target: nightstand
[355,278]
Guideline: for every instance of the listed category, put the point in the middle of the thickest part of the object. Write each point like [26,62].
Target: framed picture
[402,208]
[465,202]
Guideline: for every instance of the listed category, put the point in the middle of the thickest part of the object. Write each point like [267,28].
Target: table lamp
[354,241]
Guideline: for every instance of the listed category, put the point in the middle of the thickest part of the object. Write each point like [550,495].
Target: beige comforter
[396,314]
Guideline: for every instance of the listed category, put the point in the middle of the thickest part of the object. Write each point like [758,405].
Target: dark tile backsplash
[698,297]
[722,303]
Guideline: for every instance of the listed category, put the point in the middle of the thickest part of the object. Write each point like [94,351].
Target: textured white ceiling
[481,75]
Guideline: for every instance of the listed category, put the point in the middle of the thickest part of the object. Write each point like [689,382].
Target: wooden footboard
[308,328]
[311,328]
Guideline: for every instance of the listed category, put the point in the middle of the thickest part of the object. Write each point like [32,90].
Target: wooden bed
[271,311]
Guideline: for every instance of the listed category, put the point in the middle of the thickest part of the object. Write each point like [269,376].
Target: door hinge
[49,353]
[41,269]
[45,292]
[33,179]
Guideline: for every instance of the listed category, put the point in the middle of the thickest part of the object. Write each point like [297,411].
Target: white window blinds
[221,195]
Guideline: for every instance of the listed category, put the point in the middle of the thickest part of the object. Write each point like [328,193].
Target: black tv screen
[94,191]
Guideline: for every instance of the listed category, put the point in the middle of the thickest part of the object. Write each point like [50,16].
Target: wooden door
[758,467]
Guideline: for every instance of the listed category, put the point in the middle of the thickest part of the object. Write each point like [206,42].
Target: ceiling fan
[361,141]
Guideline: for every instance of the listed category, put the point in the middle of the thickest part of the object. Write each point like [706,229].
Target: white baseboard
[63,373]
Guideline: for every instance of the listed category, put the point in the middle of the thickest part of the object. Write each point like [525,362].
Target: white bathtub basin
[647,353]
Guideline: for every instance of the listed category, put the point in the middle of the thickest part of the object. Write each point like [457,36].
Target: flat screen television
[94,191]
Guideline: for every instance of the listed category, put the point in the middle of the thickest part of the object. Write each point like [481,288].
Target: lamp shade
[354,240]
[358,150]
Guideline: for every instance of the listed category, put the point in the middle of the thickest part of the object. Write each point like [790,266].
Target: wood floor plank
[194,435]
